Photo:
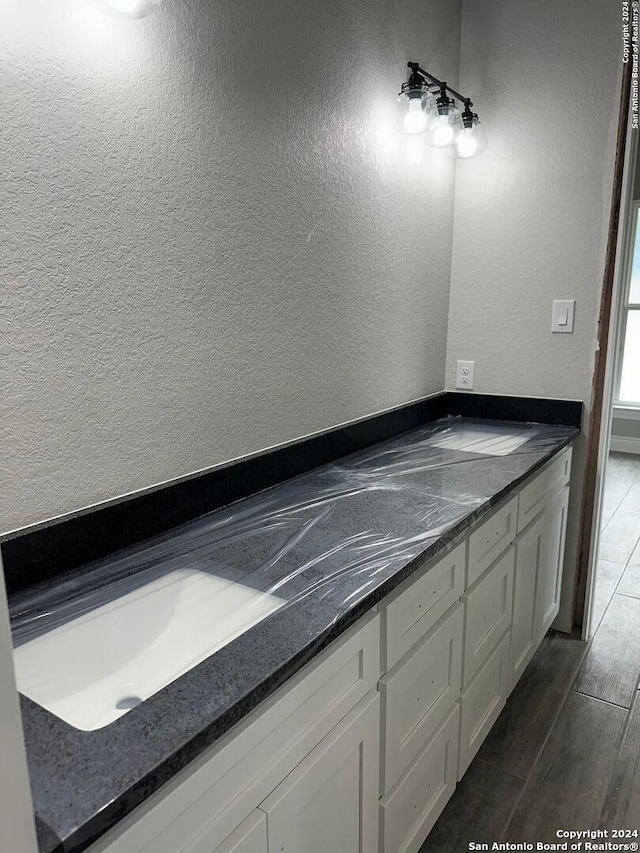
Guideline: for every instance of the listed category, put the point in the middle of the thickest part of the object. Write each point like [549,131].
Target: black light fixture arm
[423,76]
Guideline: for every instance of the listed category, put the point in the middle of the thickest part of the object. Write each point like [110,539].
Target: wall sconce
[438,117]
[126,8]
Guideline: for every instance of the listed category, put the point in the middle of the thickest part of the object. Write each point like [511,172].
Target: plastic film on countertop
[335,533]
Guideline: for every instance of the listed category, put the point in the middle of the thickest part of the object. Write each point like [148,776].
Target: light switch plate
[563,314]
[464,375]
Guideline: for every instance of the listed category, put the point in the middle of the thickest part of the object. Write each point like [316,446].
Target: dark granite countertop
[332,543]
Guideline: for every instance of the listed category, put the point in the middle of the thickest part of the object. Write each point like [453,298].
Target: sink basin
[481,439]
[98,666]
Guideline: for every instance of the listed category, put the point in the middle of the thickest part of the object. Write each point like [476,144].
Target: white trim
[625,445]
[626,306]
[627,218]
[626,413]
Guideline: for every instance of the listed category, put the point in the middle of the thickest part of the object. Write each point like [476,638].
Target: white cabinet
[418,694]
[482,702]
[538,580]
[490,539]
[488,607]
[492,610]
[329,802]
[249,837]
[550,582]
[534,497]
[412,610]
[524,634]
[408,814]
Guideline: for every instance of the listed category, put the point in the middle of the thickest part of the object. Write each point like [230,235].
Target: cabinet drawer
[488,609]
[408,815]
[491,539]
[543,487]
[482,702]
[412,610]
[418,695]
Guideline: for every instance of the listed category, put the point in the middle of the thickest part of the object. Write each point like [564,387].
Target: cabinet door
[330,801]
[249,837]
[524,631]
[550,580]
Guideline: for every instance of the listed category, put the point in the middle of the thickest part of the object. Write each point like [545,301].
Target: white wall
[211,239]
[531,215]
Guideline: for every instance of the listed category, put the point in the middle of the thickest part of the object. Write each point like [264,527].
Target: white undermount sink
[481,439]
[98,666]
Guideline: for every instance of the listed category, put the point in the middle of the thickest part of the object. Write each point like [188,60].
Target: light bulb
[467,145]
[470,142]
[415,121]
[447,128]
[127,8]
[443,133]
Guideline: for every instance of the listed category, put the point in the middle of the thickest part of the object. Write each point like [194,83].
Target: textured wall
[211,239]
[531,215]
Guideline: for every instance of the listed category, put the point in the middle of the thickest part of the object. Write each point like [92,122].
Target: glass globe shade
[416,114]
[470,142]
[446,129]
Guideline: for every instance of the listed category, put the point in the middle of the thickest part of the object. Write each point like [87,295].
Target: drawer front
[412,610]
[408,815]
[491,539]
[418,695]
[535,495]
[211,797]
[488,609]
[482,702]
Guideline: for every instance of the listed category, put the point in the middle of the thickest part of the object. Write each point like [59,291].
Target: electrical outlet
[464,375]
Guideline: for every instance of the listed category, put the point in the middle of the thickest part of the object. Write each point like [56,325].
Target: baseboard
[625,445]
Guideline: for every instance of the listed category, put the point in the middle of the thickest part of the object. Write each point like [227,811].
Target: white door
[550,581]
[330,801]
[524,634]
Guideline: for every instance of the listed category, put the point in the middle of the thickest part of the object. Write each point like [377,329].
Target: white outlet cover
[465,372]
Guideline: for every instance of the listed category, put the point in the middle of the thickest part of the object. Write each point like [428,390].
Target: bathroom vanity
[406,696]
[415,581]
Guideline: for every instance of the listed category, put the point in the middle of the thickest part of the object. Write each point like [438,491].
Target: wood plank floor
[565,752]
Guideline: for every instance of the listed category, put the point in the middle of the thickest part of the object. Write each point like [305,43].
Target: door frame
[604,377]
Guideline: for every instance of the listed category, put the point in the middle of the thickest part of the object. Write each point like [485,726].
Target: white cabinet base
[329,801]
[408,814]
[482,702]
[418,695]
